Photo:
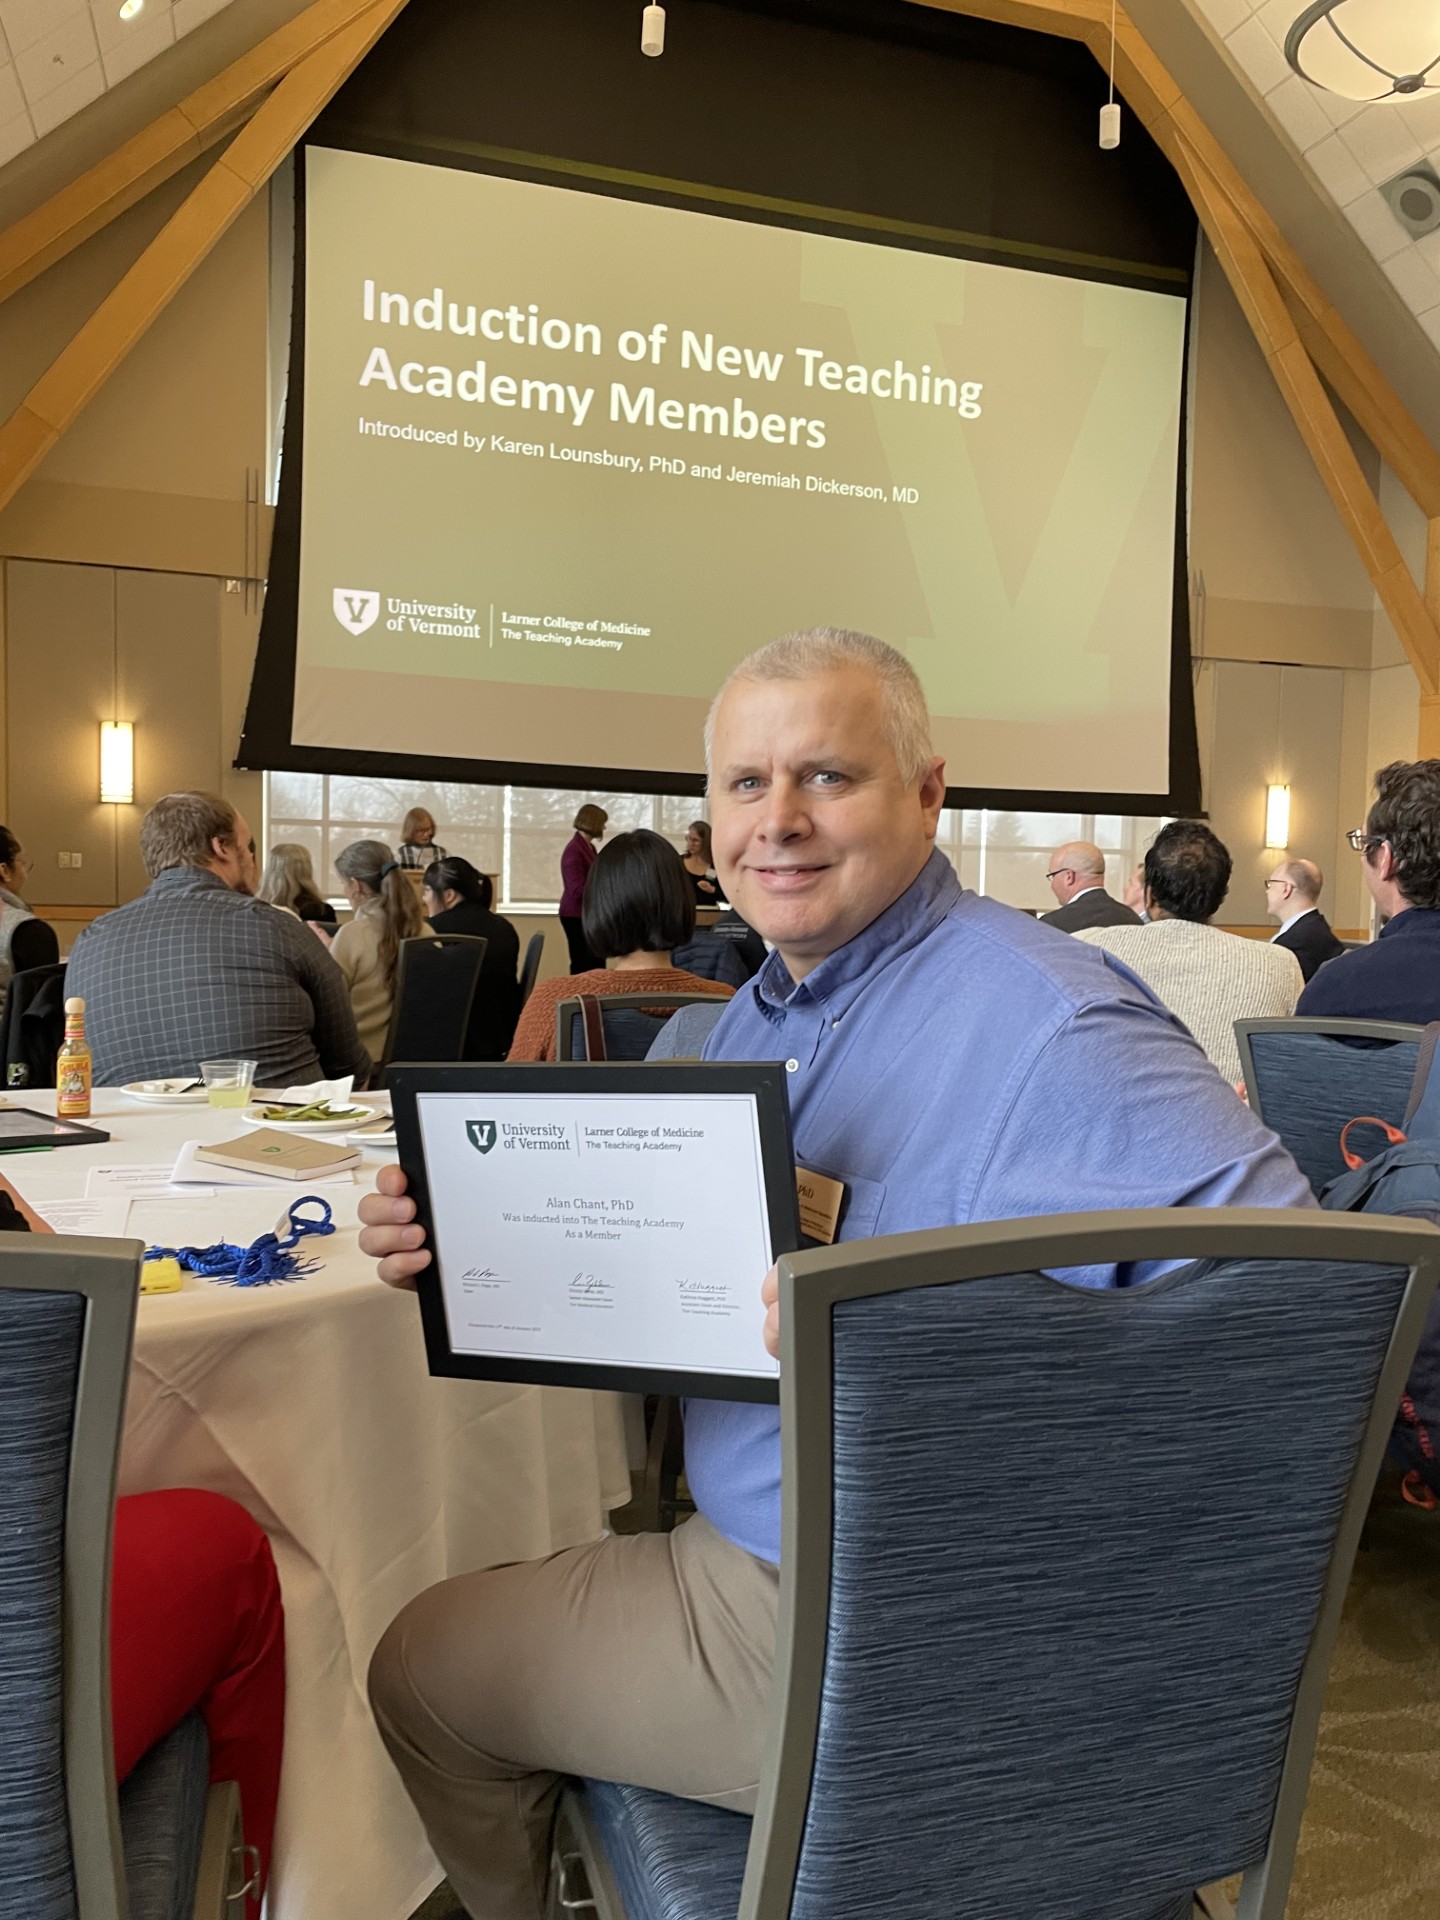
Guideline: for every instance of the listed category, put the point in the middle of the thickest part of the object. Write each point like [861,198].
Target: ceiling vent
[1414,199]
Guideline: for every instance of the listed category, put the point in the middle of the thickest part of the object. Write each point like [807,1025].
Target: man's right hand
[390,1234]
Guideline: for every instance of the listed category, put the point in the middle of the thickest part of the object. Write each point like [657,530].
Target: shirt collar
[839,980]
[1285,925]
[182,879]
[1421,920]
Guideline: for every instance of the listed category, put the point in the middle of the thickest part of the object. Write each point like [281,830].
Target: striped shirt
[1207,978]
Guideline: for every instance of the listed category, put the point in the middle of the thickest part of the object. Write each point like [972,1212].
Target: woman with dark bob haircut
[457,899]
[639,906]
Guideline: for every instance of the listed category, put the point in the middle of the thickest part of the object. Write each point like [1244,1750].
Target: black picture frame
[50,1131]
[762,1081]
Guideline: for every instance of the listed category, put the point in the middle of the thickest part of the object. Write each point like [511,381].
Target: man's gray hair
[1305,877]
[178,830]
[904,718]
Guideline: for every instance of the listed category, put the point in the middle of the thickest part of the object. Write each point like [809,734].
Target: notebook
[282,1155]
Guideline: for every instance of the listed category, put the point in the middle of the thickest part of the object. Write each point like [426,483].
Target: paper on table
[188,1170]
[337,1092]
[104,1216]
[128,1180]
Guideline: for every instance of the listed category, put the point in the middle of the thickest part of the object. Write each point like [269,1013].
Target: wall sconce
[1277,817]
[117,762]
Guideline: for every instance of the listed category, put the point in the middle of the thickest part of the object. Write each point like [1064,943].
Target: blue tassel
[266,1261]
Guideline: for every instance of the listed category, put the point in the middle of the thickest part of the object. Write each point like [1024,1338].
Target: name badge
[820,1201]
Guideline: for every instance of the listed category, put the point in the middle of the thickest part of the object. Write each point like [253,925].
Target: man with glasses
[1397,977]
[1077,880]
[1292,895]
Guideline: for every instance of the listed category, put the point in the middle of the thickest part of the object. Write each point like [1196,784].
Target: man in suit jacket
[1291,894]
[1077,880]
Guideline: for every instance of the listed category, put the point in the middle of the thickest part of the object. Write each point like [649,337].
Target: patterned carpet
[1370,1846]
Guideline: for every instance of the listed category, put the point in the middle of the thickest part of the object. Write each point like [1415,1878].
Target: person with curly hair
[1396,977]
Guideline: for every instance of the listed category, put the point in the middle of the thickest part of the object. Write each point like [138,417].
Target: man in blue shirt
[1396,977]
[949,1060]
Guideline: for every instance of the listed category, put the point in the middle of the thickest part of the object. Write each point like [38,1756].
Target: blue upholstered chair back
[1307,1078]
[40,1337]
[1079,1547]
[67,1310]
[630,1022]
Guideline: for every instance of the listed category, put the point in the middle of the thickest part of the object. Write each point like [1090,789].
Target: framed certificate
[600,1226]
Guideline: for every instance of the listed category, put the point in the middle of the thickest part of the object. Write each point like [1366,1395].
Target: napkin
[337,1092]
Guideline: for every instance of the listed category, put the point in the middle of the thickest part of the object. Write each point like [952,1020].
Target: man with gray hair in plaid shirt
[198,969]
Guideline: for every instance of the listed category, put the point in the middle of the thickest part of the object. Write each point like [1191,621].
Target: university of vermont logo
[355,609]
[482,1134]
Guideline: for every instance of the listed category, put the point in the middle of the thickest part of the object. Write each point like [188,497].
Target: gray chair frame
[106,1274]
[401,968]
[530,966]
[811,1285]
[567,1012]
[1391,1030]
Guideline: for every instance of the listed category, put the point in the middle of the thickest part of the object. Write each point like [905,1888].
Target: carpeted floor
[1370,1847]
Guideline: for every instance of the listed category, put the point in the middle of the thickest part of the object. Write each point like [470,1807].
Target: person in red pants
[195,1622]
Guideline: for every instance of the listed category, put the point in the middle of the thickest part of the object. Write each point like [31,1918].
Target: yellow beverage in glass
[236,1096]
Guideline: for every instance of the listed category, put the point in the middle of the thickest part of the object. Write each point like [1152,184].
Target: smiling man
[949,1060]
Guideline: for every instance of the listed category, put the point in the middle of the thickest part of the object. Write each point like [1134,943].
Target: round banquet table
[310,1403]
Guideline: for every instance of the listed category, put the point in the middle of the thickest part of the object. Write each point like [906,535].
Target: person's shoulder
[686,982]
[1005,954]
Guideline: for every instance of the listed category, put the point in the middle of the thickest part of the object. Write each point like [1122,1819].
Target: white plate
[342,1123]
[384,1140]
[165,1093]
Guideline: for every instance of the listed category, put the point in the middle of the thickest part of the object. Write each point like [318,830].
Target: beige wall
[1298,675]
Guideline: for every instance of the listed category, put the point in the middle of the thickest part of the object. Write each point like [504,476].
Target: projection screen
[568,457]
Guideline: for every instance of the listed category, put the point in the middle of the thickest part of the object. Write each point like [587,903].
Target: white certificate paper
[626,1230]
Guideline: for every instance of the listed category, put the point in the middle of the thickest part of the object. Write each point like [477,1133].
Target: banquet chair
[162,1847]
[1306,1077]
[711,956]
[616,1026]
[530,965]
[1081,1678]
[436,977]
[32,1026]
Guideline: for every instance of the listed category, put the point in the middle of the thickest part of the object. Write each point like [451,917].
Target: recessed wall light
[129,8]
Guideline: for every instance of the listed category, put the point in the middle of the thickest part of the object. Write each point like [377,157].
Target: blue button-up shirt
[957,1061]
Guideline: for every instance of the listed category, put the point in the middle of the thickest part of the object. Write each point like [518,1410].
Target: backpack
[1404,1180]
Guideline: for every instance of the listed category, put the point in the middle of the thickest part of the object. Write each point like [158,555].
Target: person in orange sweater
[639,906]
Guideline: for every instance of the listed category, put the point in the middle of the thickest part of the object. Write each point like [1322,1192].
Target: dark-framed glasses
[1362,841]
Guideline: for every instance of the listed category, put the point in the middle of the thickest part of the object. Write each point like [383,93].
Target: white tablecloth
[311,1405]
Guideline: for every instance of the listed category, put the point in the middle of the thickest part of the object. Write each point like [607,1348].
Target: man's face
[1278,895]
[1061,878]
[236,864]
[814,832]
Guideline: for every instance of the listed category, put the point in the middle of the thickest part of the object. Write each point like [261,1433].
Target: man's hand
[770,1294]
[390,1235]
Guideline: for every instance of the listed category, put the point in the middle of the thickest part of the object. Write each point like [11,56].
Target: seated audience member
[367,948]
[1077,880]
[289,882]
[1054,1080]
[699,863]
[1291,896]
[198,969]
[417,846]
[25,942]
[1207,978]
[195,1621]
[1133,892]
[458,899]
[1396,977]
[639,906]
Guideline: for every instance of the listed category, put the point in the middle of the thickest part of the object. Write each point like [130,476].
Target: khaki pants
[645,1658]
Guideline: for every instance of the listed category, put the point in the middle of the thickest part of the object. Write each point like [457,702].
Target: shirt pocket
[859,1209]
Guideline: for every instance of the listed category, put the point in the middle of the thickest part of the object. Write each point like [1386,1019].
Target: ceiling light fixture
[1368,49]
[129,8]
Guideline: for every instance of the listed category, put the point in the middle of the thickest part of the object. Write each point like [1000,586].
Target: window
[517,833]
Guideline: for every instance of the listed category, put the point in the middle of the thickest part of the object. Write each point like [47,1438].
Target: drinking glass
[228,1082]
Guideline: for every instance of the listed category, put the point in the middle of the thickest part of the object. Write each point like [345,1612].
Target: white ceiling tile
[190,13]
[1376,226]
[1339,170]
[1225,15]
[1422,117]
[137,48]
[1429,321]
[1262,60]
[1381,142]
[1277,17]
[111,31]
[77,92]
[1429,249]
[15,136]
[27,21]
[55,61]
[1335,107]
[1417,280]
[12,100]
[1293,105]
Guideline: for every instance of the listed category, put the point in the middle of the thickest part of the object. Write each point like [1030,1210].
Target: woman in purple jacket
[575,864]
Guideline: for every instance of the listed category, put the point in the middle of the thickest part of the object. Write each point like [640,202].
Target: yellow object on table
[160,1276]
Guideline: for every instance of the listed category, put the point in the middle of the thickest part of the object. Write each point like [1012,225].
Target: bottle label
[72,1092]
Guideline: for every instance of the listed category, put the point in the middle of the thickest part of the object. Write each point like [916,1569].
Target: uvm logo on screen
[355,609]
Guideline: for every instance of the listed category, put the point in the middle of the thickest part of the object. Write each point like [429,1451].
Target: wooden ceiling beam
[182,243]
[159,151]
